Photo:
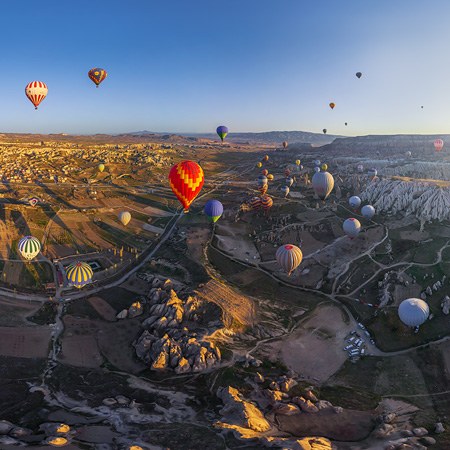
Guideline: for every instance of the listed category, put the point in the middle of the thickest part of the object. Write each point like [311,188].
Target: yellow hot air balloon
[63,428]
[324,167]
[259,165]
[297,162]
[125,217]
[270,177]
[57,441]
[101,167]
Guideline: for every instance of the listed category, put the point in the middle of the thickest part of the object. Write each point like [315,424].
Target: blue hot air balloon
[222,131]
[213,210]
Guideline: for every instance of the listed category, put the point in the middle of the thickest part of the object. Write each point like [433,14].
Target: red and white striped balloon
[438,144]
[36,91]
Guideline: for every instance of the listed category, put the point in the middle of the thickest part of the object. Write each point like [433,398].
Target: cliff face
[426,201]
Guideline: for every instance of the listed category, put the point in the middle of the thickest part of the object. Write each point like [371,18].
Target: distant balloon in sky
[289,257]
[264,172]
[285,144]
[29,247]
[124,218]
[259,165]
[324,167]
[422,107]
[36,91]
[101,167]
[266,158]
[262,180]
[438,144]
[186,180]
[354,201]
[97,75]
[332,105]
[324,131]
[270,177]
[368,211]
[345,123]
[351,227]
[413,312]
[297,162]
[213,210]
[316,162]
[323,184]
[359,74]
[222,131]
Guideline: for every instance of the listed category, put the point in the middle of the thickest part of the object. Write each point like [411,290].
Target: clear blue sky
[254,65]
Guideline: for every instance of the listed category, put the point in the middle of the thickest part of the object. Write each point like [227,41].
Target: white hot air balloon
[351,227]
[360,168]
[289,181]
[317,169]
[29,247]
[316,162]
[368,211]
[354,202]
[323,184]
[413,312]
[125,217]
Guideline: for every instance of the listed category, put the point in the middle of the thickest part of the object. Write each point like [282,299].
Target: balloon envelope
[79,274]
[438,144]
[213,210]
[124,217]
[36,91]
[359,74]
[186,180]
[285,144]
[101,167]
[352,227]
[266,202]
[222,131]
[255,202]
[270,177]
[262,180]
[265,172]
[368,211]
[413,312]
[332,105]
[97,75]
[289,257]
[323,184]
[354,201]
[297,162]
[324,131]
[324,167]
[29,247]
[285,190]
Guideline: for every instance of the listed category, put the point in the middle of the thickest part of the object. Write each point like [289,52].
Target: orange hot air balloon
[186,180]
[265,172]
[266,158]
[332,105]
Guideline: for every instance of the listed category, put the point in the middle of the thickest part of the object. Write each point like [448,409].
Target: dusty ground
[315,350]
[30,342]
[104,309]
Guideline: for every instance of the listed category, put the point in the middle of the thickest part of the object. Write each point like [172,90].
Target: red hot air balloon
[265,172]
[186,180]
[438,144]
[97,75]
[332,105]
[36,91]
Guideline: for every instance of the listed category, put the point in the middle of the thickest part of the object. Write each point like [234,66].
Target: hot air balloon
[36,91]
[255,203]
[438,144]
[317,169]
[266,202]
[29,247]
[213,210]
[372,172]
[351,227]
[33,201]
[408,154]
[259,165]
[186,180]
[266,158]
[324,167]
[101,167]
[287,172]
[270,177]
[368,211]
[265,172]
[354,202]
[263,188]
[285,144]
[57,441]
[289,257]
[324,131]
[222,131]
[359,74]
[316,162]
[345,123]
[262,180]
[297,162]
[360,168]
[332,105]
[289,181]
[124,218]
[413,312]
[323,184]
[285,190]
[79,274]
[97,75]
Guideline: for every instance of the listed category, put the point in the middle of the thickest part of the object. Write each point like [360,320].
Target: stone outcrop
[167,342]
